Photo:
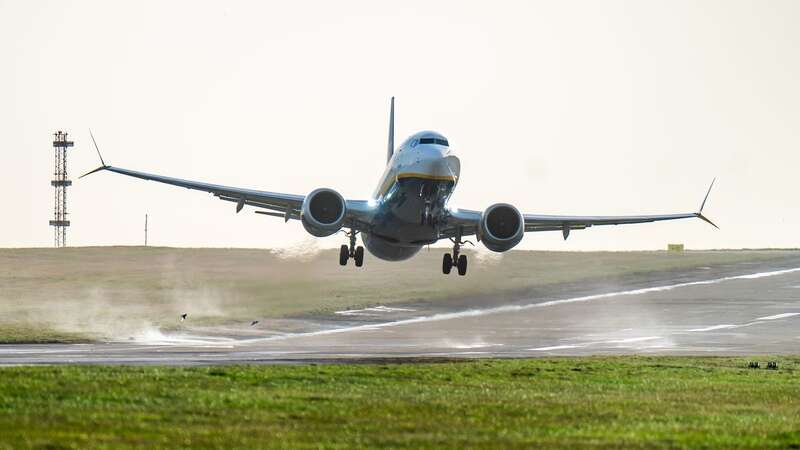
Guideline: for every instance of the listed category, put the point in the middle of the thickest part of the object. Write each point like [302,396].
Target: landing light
[372,203]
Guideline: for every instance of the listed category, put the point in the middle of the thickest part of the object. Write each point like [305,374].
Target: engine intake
[501,227]
[323,212]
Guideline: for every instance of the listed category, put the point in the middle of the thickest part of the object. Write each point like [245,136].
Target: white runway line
[390,309]
[715,327]
[555,347]
[779,316]
[596,343]
[370,311]
[757,321]
[356,312]
[632,340]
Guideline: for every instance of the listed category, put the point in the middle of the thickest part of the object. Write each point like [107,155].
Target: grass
[92,292]
[598,402]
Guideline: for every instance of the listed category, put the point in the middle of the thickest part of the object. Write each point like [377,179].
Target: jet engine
[501,227]
[323,212]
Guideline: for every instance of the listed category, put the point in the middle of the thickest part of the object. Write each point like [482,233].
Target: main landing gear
[455,259]
[346,252]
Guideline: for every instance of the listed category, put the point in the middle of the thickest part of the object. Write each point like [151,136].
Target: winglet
[702,205]
[699,214]
[93,171]
[702,217]
[390,150]
[103,166]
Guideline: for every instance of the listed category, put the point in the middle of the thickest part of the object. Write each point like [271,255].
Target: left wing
[466,221]
[285,205]
[276,204]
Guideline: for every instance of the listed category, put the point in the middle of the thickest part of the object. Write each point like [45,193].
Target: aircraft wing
[539,222]
[276,204]
[468,221]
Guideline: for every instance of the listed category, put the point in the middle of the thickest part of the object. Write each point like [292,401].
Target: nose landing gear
[346,252]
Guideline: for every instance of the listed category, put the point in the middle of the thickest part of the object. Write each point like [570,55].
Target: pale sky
[579,107]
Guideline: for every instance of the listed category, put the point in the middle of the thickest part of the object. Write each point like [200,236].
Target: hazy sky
[595,107]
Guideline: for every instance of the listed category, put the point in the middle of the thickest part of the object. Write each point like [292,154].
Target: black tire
[447,263]
[462,265]
[359,256]
[344,255]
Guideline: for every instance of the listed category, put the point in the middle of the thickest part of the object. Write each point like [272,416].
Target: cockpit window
[434,141]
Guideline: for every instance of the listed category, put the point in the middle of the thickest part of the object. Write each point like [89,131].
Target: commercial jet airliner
[408,210]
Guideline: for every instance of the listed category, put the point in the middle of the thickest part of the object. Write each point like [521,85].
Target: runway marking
[363,311]
[514,308]
[555,347]
[356,312]
[779,316]
[757,321]
[596,343]
[715,327]
[464,346]
[631,340]
[389,308]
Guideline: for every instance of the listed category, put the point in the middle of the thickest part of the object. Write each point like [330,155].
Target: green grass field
[101,292]
[599,402]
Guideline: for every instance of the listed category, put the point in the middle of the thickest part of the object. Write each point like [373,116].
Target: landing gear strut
[346,252]
[455,259]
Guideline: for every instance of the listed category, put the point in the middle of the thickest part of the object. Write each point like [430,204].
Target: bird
[183,317]
[254,323]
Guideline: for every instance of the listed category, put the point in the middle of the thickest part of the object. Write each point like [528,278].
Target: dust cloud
[304,250]
[99,314]
[482,256]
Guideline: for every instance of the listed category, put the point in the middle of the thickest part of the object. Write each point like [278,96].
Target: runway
[737,309]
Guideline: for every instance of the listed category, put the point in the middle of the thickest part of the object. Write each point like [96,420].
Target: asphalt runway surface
[736,309]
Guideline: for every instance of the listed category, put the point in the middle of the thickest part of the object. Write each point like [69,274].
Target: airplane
[408,210]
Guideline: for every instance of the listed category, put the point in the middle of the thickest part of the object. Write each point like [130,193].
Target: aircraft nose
[440,165]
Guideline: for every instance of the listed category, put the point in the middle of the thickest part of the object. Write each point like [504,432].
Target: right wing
[465,222]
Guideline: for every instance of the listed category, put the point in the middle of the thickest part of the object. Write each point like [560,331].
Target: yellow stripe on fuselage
[389,181]
[426,176]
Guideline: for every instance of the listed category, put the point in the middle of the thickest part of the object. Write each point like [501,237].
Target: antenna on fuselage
[390,150]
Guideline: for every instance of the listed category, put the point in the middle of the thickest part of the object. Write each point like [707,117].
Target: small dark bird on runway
[253,323]
[183,317]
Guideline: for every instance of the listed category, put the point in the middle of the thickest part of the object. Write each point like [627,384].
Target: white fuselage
[412,194]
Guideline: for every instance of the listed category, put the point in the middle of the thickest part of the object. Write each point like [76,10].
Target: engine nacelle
[323,212]
[501,227]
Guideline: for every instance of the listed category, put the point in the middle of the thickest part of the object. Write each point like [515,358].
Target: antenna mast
[60,182]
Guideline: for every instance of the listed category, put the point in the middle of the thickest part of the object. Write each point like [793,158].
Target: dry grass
[96,292]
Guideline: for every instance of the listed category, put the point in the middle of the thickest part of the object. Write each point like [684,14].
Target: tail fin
[390,150]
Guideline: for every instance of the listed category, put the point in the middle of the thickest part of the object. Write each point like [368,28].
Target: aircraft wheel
[462,265]
[447,263]
[344,255]
[359,256]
